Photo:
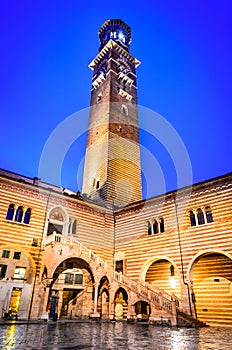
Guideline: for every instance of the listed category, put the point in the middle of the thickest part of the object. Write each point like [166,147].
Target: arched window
[124,110]
[200,217]
[10,212]
[161,225]
[27,216]
[149,228]
[155,227]
[172,271]
[192,218]
[56,222]
[19,214]
[99,97]
[119,69]
[209,215]
[74,227]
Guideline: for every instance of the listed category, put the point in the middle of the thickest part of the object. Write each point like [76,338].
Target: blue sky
[185,75]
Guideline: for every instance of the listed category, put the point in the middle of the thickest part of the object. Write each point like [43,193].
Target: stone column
[192,299]
[131,315]
[95,314]
[44,315]
[60,301]
[174,314]
[185,298]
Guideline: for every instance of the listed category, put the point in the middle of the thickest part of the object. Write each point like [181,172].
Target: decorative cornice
[109,46]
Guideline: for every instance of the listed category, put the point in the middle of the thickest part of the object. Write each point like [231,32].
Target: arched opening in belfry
[103,298]
[211,275]
[142,310]
[163,274]
[72,290]
[121,304]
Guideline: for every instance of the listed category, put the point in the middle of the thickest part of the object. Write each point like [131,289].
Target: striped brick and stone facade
[108,253]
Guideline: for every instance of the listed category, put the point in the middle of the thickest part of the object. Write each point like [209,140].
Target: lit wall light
[172,282]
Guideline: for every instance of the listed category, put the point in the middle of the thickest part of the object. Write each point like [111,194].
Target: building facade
[107,253]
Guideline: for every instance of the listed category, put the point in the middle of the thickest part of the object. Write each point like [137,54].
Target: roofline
[169,193]
[36,182]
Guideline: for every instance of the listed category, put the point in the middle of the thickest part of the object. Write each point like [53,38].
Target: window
[119,266]
[113,35]
[97,184]
[200,217]
[10,212]
[17,255]
[54,227]
[34,242]
[161,225]
[149,228]
[27,216]
[155,227]
[3,271]
[20,272]
[192,218]
[119,69]
[68,278]
[74,227]
[78,278]
[124,110]
[172,271]
[5,253]
[209,215]
[99,97]
[19,214]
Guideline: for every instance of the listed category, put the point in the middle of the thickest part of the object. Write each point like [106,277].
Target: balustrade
[142,288]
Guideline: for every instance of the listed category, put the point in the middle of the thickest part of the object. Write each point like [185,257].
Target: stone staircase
[184,320]
[158,299]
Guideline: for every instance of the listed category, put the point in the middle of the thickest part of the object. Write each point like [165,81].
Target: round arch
[210,276]
[71,289]
[104,298]
[204,252]
[64,222]
[58,207]
[162,273]
[142,310]
[121,304]
[149,262]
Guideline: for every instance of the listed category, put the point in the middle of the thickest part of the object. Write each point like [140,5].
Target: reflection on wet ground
[110,336]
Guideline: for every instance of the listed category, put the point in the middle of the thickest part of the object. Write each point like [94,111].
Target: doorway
[14,302]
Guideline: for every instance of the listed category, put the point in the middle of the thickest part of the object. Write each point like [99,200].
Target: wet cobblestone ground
[112,336]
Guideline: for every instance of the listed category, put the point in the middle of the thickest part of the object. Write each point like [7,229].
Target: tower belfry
[112,171]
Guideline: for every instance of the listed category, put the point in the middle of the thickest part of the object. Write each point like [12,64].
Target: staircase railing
[155,295]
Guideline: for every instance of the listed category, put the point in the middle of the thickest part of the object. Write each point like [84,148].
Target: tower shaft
[112,170]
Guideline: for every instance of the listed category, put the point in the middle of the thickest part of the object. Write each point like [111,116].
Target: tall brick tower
[112,171]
